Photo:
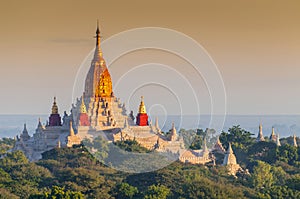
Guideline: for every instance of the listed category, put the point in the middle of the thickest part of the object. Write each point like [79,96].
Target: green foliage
[5,194]
[12,159]
[131,146]
[197,143]
[188,136]
[125,190]
[157,192]
[294,182]
[58,193]
[76,173]
[262,177]
[238,137]
[6,144]
[264,151]
[288,154]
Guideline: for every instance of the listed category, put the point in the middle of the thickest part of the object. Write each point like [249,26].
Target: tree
[264,151]
[239,137]
[12,159]
[5,194]
[288,154]
[197,142]
[125,190]
[131,146]
[262,177]
[6,144]
[157,192]
[58,193]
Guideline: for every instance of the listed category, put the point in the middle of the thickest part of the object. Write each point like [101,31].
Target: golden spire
[82,106]
[71,129]
[142,108]
[54,107]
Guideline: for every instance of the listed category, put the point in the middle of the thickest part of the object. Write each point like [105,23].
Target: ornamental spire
[71,129]
[295,141]
[54,107]
[173,132]
[229,158]
[82,106]
[25,129]
[98,52]
[278,140]
[40,123]
[97,34]
[142,108]
[24,135]
[273,135]
[218,146]
[260,136]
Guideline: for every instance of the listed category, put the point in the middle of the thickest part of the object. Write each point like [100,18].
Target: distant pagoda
[260,136]
[230,161]
[273,136]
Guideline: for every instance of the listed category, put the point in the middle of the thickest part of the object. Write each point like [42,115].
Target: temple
[99,112]
[230,161]
[218,148]
[200,156]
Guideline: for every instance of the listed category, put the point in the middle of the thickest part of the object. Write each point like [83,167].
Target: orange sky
[255,43]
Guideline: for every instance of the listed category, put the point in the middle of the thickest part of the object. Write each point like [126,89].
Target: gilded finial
[54,107]
[82,106]
[142,108]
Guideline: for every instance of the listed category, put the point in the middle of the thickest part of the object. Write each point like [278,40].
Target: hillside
[75,173]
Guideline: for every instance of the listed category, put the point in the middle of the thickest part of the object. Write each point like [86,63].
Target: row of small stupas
[99,112]
[273,137]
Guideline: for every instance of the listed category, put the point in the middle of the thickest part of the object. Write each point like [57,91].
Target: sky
[255,45]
